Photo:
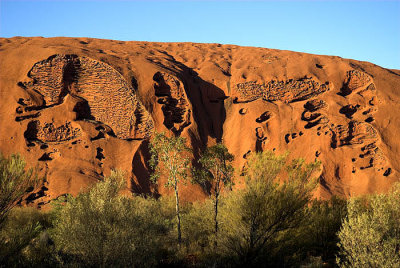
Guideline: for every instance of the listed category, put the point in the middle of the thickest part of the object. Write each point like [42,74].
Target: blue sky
[362,30]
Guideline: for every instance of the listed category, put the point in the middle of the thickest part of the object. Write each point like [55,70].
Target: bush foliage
[271,221]
[103,228]
[272,205]
[15,181]
[370,235]
[24,239]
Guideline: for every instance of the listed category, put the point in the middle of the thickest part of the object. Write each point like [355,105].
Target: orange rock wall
[77,108]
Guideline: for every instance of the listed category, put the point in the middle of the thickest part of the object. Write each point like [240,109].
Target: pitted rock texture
[287,91]
[314,105]
[315,113]
[352,134]
[50,133]
[48,79]
[356,80]
[110,99]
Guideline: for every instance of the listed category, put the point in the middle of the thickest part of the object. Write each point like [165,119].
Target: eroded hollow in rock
[172,96]
[349,110]
[264,117]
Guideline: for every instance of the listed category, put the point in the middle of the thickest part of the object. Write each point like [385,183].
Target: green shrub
[370,235]
[18,227]
[15,180]
[256,221]
[198,228]
[24,240]
[103,228]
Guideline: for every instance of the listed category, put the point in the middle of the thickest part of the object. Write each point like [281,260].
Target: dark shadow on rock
[324,183]
[29,116]
[99,154]
[264,117]
[141,171]
[387,172]
[349,110]
[134,84]
[45,157]
[32,131]
[82,110]
[259,145]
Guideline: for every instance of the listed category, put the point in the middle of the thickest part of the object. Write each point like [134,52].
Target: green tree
[15,181]
[257,217]
[103,228]
[169,158]
[370,235]
[216,169]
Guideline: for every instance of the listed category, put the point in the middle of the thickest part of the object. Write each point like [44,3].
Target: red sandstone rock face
[78,108]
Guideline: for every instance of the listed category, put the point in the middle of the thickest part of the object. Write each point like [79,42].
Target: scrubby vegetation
[15,182]
[370,235]
[270,221]
[103,228]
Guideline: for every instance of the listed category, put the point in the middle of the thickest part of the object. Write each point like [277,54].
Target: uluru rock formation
[77,107]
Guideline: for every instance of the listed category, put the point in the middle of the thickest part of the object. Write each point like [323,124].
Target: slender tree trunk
[178,215]
[216,214]
[216,211]
[216,220]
